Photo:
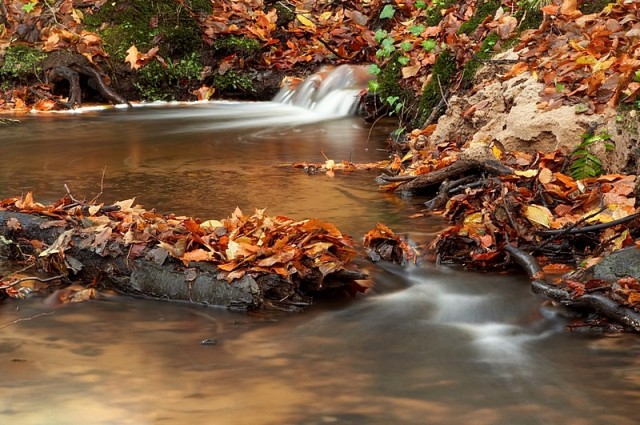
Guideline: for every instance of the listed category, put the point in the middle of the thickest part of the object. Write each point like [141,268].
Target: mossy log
[153,273]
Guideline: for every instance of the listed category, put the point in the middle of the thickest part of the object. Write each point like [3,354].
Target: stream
[427,345]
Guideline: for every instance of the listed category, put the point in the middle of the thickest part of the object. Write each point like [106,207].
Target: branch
[597,303]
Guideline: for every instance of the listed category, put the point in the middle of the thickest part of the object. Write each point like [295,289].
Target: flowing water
[427,345]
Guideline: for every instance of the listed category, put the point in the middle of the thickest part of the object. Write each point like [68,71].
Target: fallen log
[119,250]
[589,302]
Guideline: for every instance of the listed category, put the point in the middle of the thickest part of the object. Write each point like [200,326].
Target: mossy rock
[443,71]
[175,81]
[20,65]
[243,46]
[145,24]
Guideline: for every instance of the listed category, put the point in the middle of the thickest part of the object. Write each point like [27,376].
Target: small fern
[584,163]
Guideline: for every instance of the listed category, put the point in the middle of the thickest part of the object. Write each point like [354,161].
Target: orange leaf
[195,255]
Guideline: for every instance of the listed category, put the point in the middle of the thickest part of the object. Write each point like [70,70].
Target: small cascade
[332,91]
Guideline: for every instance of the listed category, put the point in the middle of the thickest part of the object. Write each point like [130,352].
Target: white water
[331,92]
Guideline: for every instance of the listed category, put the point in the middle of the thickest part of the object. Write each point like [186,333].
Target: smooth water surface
[428,345]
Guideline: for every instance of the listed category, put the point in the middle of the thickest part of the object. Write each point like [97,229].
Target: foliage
[20,63]
[584,163]
[594,67]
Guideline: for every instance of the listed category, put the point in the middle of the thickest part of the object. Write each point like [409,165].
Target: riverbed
[426,345]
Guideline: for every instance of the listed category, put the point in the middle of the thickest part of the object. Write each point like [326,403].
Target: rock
[625,262]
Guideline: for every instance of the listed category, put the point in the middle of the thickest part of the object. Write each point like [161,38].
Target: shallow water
[428,345]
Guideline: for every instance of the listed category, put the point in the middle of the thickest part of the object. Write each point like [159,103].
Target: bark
[154,274]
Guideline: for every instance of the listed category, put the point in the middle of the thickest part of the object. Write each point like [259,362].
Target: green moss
[285,14]
[156,82]
[234,44]
[443,70]
[486,52]
[124,23]
[528,17]
[389,79]
[20,65]
[434,12]
[232,81]
[484,8]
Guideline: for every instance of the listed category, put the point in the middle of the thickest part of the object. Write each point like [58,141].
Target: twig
[71,195]
[568,230]
[39,279]
[442,94]
[366,146]
[27,318]
[332,50]
[104,170]
[433,116]
[593,228]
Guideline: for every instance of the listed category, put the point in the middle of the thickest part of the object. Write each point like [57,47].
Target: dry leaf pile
[257,245]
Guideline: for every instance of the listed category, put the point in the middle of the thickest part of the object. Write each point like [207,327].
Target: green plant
[584,163]
[28,7]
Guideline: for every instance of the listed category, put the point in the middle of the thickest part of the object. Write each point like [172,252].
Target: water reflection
[426,345]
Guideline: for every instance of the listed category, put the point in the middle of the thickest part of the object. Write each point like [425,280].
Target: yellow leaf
[407,156]
[586,60]
[603,65]
[211,225]
[325,16]
[475,218]
[618,243]
[538,214]
[497,152]
[305,21]
[576,46]
[526,173]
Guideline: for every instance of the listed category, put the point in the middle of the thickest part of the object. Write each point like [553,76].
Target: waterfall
[332,91]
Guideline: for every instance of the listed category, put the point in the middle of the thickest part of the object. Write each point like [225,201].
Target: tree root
[596,303]
[464,166]
[70,67]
